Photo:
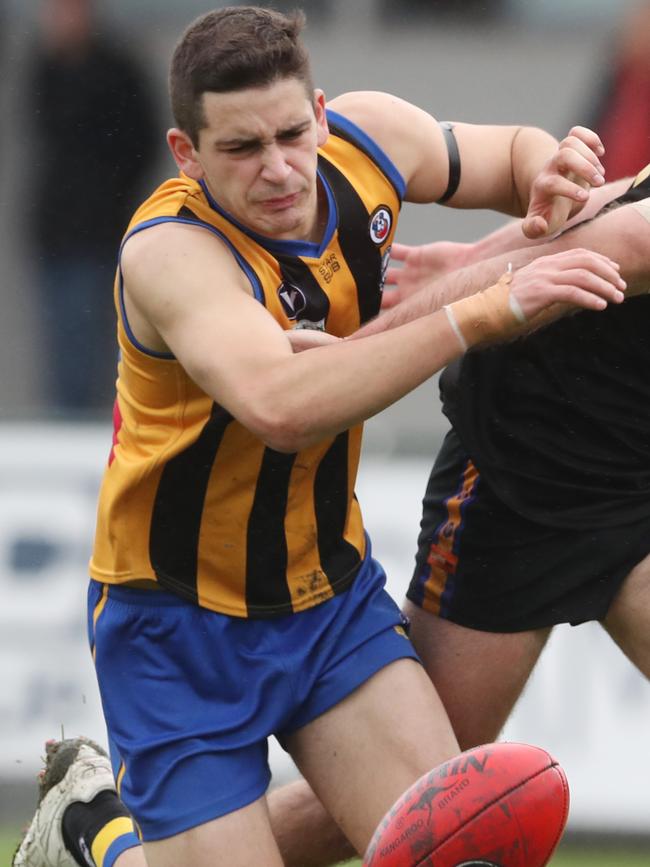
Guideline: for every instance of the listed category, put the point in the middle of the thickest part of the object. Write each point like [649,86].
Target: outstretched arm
[238,354]
[522,171]
[622,234]
[418,266]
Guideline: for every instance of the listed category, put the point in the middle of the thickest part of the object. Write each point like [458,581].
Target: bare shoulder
[177,254]
[409,136]
[378,113]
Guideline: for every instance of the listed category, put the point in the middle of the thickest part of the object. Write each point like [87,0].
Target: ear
[186,157]
[321,118]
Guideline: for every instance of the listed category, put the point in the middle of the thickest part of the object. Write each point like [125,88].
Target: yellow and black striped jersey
[190,498]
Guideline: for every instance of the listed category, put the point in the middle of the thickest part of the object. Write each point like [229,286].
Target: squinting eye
[291,134]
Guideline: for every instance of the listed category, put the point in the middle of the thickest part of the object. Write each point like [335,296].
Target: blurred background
[84,109]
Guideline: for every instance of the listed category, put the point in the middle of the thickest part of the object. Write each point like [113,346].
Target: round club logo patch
[381,221]
[292,298]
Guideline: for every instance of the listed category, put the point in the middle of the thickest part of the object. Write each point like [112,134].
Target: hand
[561,189]
[420,265]
[574,278]
[309,338]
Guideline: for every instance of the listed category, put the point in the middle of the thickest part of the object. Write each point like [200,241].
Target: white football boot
[76,769]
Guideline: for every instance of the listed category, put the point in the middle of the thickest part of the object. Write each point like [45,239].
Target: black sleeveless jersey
[558,423]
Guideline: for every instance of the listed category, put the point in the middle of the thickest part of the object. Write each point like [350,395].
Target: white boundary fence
[586,703]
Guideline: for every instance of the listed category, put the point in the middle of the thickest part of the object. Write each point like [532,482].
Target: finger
[571,161]
[400,251]
[581,271]
[389,299]
[392,276]
[579,257]
[573,146]
[576,297]
[607,283]
[569,186]
[589,137]
[534,227]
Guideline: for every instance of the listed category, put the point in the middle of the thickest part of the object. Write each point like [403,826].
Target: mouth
[280,203]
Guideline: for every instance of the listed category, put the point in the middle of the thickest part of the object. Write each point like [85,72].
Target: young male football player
[233,593]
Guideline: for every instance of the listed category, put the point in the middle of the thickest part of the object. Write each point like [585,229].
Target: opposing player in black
[537,511]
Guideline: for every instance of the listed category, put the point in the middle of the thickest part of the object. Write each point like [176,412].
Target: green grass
[568,856]
[9,839]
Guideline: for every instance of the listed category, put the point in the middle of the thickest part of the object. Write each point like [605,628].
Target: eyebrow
[220,144]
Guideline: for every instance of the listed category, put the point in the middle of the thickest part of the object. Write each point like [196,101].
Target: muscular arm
[185,293]
[512,169]
[511,237]
[621,234]
[239,355]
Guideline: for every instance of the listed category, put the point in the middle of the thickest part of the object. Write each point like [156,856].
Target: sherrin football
[499,805]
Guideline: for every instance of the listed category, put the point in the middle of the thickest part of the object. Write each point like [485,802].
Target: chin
[289,225]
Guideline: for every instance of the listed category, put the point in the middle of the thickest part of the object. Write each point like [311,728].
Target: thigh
[189,699]
[628,618]
[362,754]
[478,675]
[239,839]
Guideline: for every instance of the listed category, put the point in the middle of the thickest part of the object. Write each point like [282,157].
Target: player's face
[258,156]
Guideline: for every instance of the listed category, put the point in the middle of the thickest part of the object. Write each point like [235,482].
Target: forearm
[458,284]
[358,378]
[510,236]
[623,234]
[355,380]
[489,258]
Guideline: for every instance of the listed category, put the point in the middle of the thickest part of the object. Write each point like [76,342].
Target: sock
[95,834]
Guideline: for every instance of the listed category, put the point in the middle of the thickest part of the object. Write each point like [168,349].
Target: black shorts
[482,565]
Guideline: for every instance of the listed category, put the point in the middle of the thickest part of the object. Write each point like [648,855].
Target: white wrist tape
[455,328]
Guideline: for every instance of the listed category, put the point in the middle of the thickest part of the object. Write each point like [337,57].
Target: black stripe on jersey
[362,255]
[337,556]
[267,590]
[178,508]
[341,133]
[294,271]
[636,193]
[190,215]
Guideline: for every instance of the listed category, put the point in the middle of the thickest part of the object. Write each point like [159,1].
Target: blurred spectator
[621,114]
[94,133]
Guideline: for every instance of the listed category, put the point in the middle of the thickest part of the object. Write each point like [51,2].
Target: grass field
[568,856]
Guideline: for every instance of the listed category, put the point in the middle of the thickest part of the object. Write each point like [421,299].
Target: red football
[499,805]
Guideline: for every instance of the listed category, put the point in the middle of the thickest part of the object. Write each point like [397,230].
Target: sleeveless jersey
[191,499]
[558,423]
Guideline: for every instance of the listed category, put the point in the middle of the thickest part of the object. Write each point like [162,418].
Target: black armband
[454,161]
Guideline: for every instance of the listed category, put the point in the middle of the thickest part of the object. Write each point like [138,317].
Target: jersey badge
[293,299]
[381,221]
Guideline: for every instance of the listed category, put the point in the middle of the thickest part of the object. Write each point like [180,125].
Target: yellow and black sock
[97,833]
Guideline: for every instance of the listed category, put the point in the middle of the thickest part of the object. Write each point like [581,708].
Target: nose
[275,168]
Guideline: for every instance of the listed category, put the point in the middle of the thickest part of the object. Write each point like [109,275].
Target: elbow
[280,429]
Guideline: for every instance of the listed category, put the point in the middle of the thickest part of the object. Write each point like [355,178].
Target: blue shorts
[191,696]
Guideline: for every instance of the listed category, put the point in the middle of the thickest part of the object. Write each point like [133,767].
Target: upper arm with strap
[454,161]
